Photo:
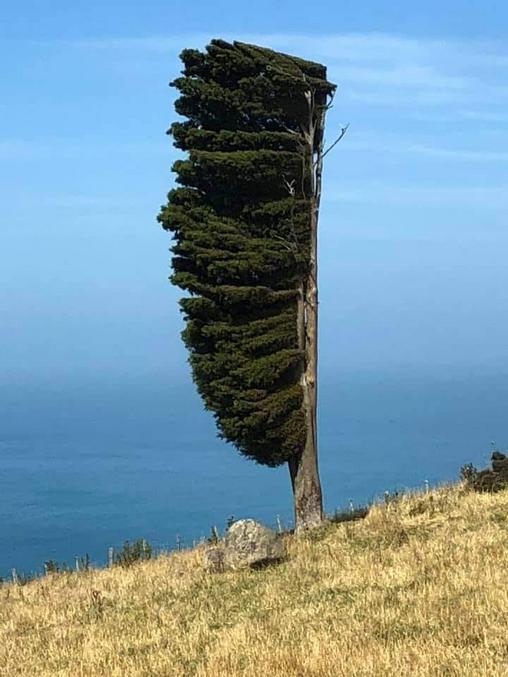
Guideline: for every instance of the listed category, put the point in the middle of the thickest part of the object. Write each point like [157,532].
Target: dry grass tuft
[420,587]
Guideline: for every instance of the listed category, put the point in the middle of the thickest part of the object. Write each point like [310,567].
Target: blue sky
[413,233]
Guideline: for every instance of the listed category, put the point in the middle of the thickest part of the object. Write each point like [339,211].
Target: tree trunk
[304,473]
[303,469]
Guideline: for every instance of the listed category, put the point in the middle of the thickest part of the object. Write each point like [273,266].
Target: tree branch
[339,138]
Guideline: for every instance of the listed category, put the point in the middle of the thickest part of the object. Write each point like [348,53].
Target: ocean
[89,465]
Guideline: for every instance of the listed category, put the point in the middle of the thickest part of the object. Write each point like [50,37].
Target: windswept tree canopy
[241,226]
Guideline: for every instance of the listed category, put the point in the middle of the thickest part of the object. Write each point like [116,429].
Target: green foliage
[51,566]
[241,225]
[214,537]
[392,497]
[133,552]
[468,473]
[351,515]
[490,479]
[83,563]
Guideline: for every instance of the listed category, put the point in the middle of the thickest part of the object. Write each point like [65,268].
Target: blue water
[84,467]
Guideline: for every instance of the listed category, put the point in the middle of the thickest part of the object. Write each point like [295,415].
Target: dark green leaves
[241,237]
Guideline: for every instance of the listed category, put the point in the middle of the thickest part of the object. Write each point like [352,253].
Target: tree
[244,221]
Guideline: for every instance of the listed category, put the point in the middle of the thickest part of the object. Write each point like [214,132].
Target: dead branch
[339,138]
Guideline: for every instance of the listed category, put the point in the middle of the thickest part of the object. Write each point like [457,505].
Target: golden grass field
[419,587]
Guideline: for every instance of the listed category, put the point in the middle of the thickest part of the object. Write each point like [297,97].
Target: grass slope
[420,587]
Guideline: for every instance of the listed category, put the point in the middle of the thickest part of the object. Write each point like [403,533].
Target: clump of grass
[417,587]
[134,552]
[350,515]
[51,566]
[468,473]
[490,479]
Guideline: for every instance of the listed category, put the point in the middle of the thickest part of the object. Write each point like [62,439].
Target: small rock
[249,543]
[213,557]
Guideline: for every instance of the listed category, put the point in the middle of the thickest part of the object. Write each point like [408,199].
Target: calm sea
[88,466]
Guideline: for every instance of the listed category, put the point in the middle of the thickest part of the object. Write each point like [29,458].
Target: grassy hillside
[419,587]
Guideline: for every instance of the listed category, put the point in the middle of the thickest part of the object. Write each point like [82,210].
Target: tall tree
[244,221]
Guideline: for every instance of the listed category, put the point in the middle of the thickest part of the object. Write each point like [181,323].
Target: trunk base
[307,493]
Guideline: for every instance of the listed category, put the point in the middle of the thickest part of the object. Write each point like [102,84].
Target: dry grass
[419,587]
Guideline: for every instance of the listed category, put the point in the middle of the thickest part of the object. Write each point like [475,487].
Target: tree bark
[303,468]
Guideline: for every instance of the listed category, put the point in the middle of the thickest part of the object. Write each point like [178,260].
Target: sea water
[86,466]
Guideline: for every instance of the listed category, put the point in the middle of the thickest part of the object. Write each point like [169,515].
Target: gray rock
[249,543]
[213,558]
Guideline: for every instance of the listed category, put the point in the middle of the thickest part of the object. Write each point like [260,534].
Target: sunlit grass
[419,587]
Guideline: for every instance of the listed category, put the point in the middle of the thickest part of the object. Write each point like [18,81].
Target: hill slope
[420,587]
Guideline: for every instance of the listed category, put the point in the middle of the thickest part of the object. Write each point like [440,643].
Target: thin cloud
[398,75]
[28,149]
[397,195]
[462,155]
[94,202]
[405,78]
[484,116]
[376,68]
[151,44]
[352,47]
[392,143]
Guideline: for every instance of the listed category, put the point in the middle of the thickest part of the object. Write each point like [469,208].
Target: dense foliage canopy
[241,225]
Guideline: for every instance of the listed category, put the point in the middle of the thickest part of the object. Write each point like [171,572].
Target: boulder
[250,544]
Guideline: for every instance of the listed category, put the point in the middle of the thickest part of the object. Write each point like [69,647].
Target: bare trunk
[303,469]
